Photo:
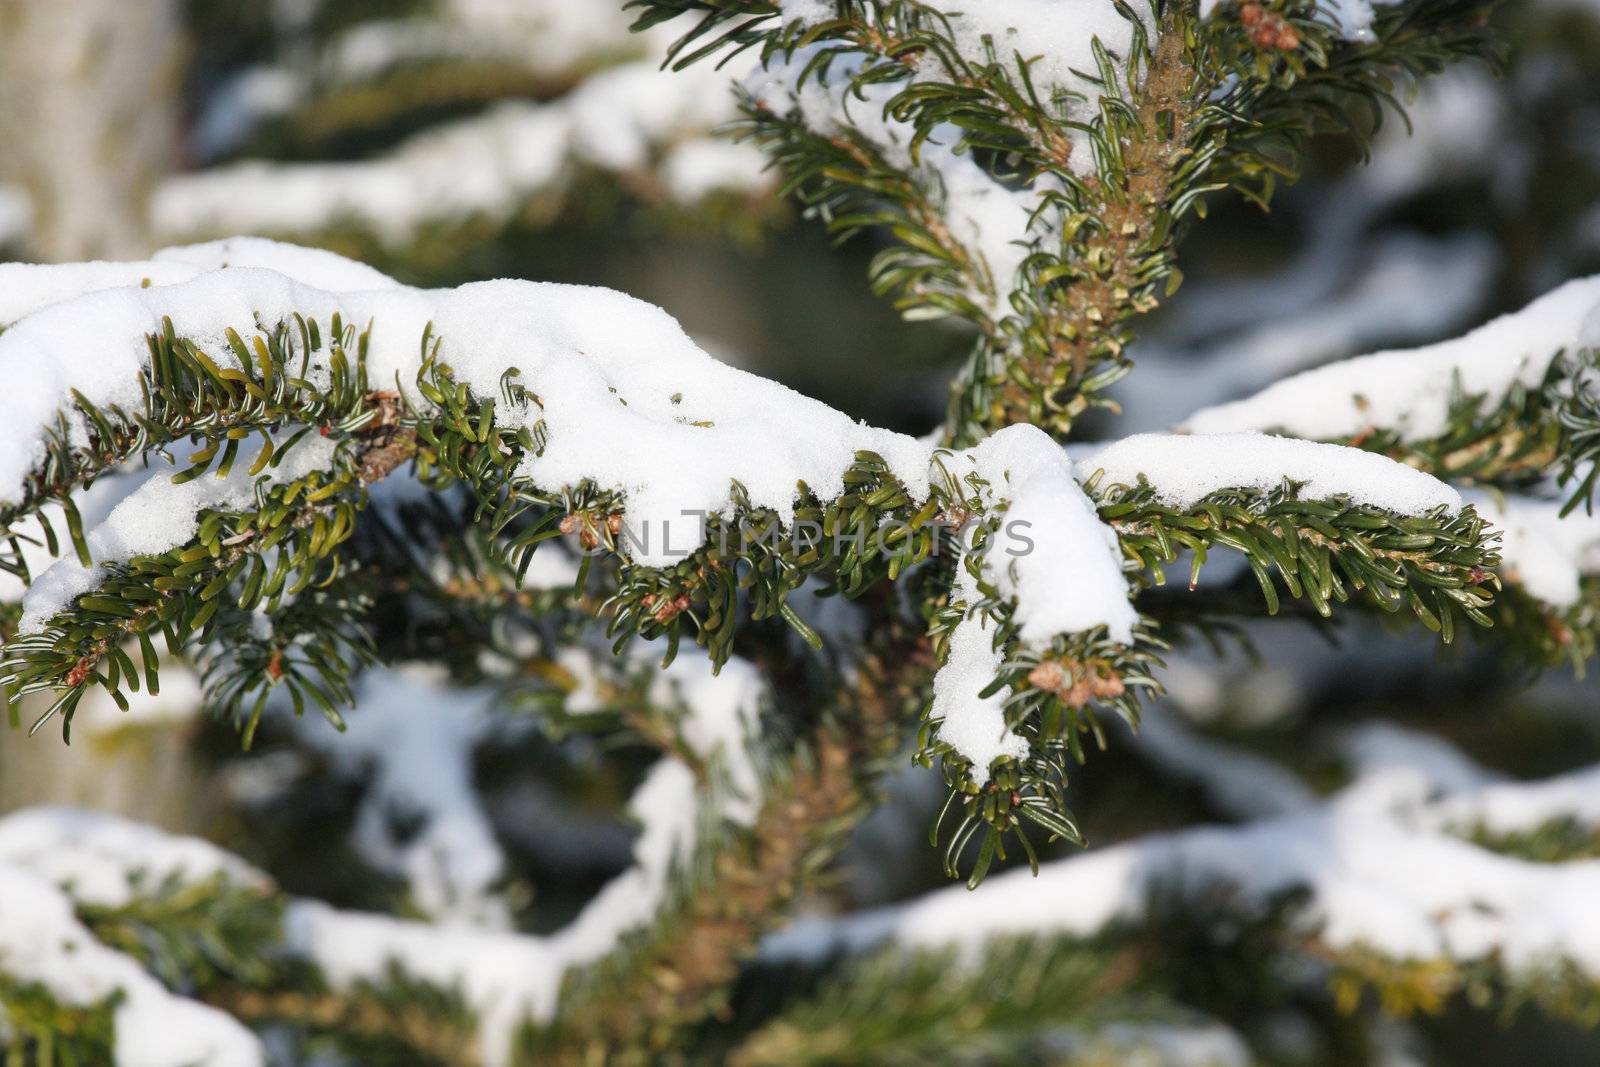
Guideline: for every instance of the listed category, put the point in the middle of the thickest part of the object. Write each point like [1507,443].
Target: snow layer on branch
[1514,807]
[1546,554]
[29,287]
[630,401]
[1185,470]
[104,860]
[1053,556]
[42,941]
[158,516]
[1380,876]
[619,120]
[508,978]
[103,856]
[973,725]
[721,720]
[991,220]
[1410,391]
[1056,35]
[311,266]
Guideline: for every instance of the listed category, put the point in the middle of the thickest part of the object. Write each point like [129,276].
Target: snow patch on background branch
[622,120]
[1410,391]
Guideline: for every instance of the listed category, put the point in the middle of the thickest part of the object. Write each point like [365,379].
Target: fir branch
[896,1007]
[637,1007]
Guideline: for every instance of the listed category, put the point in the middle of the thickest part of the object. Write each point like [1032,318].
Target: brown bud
[614,523]
[1251,14]
[1107,686]
[569,523]
[1288,39]
[1048,676]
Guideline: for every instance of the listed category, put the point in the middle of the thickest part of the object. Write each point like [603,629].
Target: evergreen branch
[636,1007]
[908,1007]
[1192,108]
[1438,566]
[1531,433]
[41,1031]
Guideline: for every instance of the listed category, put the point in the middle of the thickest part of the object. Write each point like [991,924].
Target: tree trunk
[88,118]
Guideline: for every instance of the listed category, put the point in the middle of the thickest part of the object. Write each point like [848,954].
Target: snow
[722,718]
[310,266]
[411,737]
[1508,808]
[158,516]
[1185,470]
[992,221]
[974,726]
[46,853]
[1380,873]
[620,119]
[630,402]
[501,976]
[27,287]
[695,169]
[1547,555]
[1409,391]
[100,855]
[1058,35]
[809,12]
[41,941]
[508,978]
[1053,556]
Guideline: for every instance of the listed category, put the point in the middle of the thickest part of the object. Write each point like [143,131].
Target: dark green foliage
[43,1032]
[194,935]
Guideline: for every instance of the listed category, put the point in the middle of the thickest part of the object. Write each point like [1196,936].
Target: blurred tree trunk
[88,118]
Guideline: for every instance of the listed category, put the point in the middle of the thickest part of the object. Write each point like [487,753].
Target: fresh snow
[973,725]
[1544,553]
[411,739]
[1056,35]
[1409,391]
[630,401]
[996,223]
[1053,556]
[158,516]
[506,978]
[100,860]
[1184,470]
[509,978]
[41,941]
[1381,874]
[621,120]
[104,857]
